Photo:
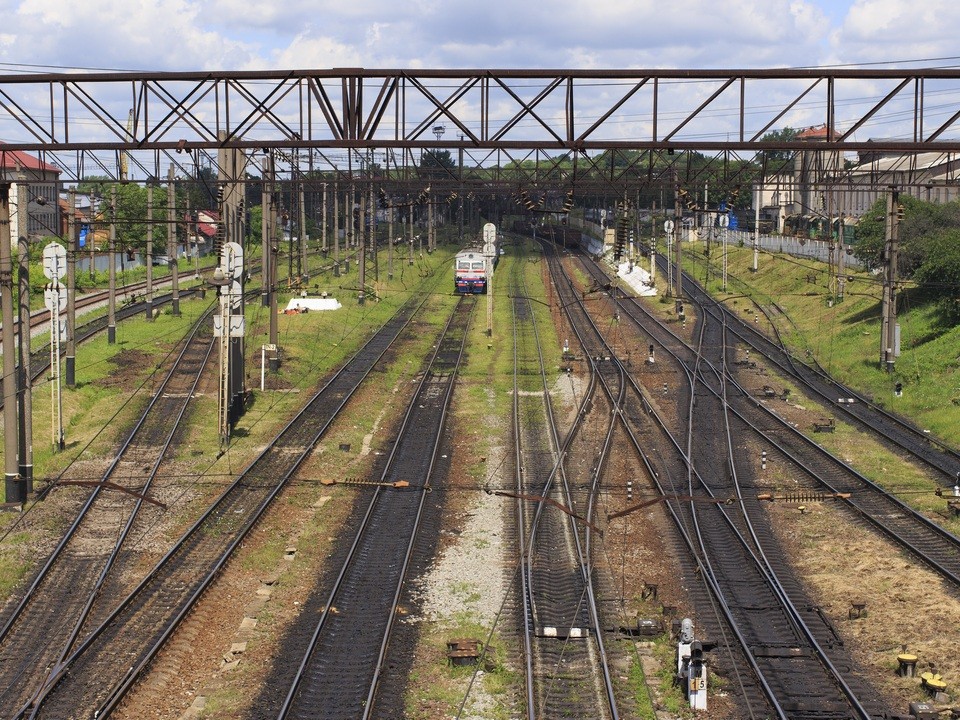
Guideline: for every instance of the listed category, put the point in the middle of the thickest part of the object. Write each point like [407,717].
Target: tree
[777,157]
[438,164]
[939,273]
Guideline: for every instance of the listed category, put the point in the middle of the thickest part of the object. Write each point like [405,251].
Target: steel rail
[521,525]
[756,547]
[946,462]
[555,482]
[760,562]
[881,518]
[76,615]
[354,563]
[706,577]
[584,550]
[141,421]
[350,375]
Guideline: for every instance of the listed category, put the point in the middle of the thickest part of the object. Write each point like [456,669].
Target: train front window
[478,266]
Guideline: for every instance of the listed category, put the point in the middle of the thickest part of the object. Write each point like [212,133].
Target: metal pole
[372,219]
[323,220]
[224,347]
[112,292]
[26,380]
[678,228]
[363,248]
[888,339]
[723,235]
[410,246]
[266,206]
[430,229]
[149,290]
[272,247]
[15,488]
[336,230]
[390,239]
[56,399]
[349,205]
[304,237]
[172,250]
[91,234]
[756,228]
[24,396]
[460,196]
[72,250]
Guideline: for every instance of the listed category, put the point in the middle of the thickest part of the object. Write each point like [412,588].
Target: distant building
[202,232]
[930,176]
[40,180]
[823,184]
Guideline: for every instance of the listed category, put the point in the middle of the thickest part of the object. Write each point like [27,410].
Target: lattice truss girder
[92,123]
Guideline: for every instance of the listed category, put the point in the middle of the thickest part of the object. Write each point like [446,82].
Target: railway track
[795,675]
[102,667]
[567,672]
[786,446]
[76,583]
[843,401]
[341,669]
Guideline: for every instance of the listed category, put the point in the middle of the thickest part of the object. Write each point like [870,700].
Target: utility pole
[172,250]
[336,229]
[363,248]
[410,219]
[112,292]
[390,212]
[678,229]
[15,488]
[323,220]
[26,380]
[72,250]
[372,219]
[431,237]
[460,194]
[149,290]
[757,197]
[270,247]
[266,225]
[25,396]
[348,211]
[304,237]
[889,345]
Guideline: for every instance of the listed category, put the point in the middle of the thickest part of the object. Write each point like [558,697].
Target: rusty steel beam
[181,118]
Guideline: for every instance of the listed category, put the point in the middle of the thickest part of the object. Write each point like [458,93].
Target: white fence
[796,246]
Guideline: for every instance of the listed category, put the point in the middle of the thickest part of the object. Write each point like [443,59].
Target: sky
[147,35]
[38,36]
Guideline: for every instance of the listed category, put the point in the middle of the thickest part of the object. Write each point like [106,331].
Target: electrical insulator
[900,212]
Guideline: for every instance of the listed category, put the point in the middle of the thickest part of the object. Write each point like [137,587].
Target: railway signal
[55,299]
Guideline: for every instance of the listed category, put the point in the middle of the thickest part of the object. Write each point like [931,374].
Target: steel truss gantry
[494,118]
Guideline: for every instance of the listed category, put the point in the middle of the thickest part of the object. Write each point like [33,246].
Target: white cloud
[225,34]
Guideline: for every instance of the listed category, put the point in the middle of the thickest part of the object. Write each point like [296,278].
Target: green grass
[641,693]
[438,689]
[844,336]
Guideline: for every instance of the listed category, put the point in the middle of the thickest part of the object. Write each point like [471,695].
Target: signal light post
[228,325]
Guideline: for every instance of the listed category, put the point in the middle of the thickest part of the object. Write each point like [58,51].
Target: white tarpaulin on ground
[309,303]
[637,278]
